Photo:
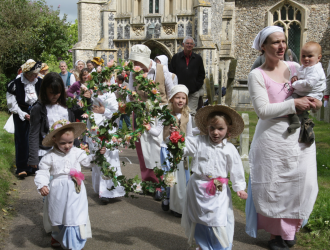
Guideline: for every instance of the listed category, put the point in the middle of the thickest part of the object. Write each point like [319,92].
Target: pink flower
[119,85]
[83,87]
[120,140]
[80,103]
[145,75]
[114,139]
[94,128]
[99,69]
[91,91]
[40,9]
[59,6]
[84,115]
[147,126]
[133,93]
[128,138]
[125,64]
[154,91]
[137,69]
[111,63]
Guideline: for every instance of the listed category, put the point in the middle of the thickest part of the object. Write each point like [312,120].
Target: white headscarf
[262,36]
[76,64]
[163,60]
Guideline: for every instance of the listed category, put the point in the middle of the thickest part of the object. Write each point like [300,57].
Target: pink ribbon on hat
[78,175]
[211,188]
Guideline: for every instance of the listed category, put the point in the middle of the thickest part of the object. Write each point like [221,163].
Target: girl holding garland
[208,213]
[178,104]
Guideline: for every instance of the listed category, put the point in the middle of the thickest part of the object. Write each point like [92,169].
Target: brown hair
[315,45]
[53,81]
[64,131]
[81,74]
[185,110]
[215,116]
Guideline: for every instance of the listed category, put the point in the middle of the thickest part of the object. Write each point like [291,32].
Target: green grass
[316,234]
[7,159]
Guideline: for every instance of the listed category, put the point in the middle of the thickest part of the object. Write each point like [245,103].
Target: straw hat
[79,128]
[140,53]
[237,125]
[44,66]
[31,66]
[98,60]
[178,89]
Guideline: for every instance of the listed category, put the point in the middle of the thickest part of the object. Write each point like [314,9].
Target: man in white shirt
[67,77]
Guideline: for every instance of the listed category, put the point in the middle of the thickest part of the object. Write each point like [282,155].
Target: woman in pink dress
[283,176]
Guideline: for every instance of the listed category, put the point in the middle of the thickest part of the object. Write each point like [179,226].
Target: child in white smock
[310,79]
[208,213]
[67,198]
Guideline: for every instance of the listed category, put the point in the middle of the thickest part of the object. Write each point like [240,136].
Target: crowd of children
[46,133]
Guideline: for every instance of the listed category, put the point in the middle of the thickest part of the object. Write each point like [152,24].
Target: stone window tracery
[119,32]
[153,6]
[293,18]
[127,31]
[189,29]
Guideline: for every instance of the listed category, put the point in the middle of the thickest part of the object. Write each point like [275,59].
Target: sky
[68,7]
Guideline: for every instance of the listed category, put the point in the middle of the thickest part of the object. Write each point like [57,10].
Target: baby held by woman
[310,79]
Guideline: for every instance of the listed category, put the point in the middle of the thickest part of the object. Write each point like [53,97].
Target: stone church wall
[251,17]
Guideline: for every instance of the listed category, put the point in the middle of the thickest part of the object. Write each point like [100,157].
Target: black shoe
[176,214]
[277,244]
[105,200]
[158,196]
[165,207]
[141,193]
[291,243]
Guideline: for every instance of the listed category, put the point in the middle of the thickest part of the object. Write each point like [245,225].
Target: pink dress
[285,227]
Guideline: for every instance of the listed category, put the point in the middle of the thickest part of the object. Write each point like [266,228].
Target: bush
[3,89]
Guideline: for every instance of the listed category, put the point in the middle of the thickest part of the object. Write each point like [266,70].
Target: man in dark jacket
[189,68]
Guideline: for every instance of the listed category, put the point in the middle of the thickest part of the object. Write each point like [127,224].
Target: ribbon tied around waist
[77,177]
[214,185]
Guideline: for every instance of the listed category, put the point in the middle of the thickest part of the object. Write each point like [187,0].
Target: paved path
[124,223]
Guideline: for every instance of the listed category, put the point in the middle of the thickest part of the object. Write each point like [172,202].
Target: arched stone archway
[158,48]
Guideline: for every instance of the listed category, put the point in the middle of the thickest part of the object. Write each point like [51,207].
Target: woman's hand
[34,166]
[305,103]
[317,102]
[102,151]
[44,191]
[98,109]
[87,94]
[242,194]
[27,117]
[173,129]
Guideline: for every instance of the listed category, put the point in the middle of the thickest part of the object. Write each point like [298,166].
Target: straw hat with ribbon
[98,60]
[237,123]
[79,128]
[31,66]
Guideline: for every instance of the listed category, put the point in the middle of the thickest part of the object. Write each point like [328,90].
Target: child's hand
[87,94]
[242,194]
[173,129]
[98,109]
[102,151]
[294,78]
[44,191]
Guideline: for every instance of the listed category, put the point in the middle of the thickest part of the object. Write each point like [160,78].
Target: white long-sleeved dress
[65,206]
[211,161]
[102,185]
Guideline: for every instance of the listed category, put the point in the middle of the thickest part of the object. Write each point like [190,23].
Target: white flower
[138,187]
[149,105]
[326,222]
[169,179]
[105,84]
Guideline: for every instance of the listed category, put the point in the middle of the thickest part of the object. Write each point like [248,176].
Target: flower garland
[144,113]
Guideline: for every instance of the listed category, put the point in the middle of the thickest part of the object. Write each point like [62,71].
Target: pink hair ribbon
[214,184]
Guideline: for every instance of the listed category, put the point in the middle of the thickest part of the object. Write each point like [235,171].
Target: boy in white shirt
[310,79]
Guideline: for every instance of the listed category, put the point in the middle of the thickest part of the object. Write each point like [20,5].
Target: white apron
[178,191]
[283,171]
[151,148]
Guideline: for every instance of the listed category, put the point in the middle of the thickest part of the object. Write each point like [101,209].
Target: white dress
[102,185]
[211,161]
[287,185]
[178,191]
[65,206]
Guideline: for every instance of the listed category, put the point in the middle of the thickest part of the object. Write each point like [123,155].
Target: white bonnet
[177,89]
[79,61]
[140,53]
[263,34]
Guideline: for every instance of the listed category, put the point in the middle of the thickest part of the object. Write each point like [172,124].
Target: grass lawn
[316,234]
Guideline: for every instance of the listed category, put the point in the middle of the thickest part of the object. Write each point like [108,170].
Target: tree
[31,29]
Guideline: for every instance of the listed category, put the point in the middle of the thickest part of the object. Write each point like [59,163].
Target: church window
[189,29]
[153,6]
[157,31]
[119,54]
[291,21]
[181,30]
[119,32]
[127,31]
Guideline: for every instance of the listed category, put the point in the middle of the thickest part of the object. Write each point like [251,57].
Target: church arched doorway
[158,49]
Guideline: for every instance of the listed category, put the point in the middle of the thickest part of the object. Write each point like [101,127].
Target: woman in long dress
[283,178]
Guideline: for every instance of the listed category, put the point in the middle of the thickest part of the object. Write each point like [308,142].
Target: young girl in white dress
[104,107]
[67,198]
[178,104]
[208,214]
